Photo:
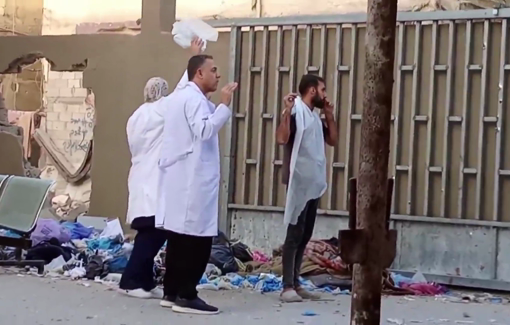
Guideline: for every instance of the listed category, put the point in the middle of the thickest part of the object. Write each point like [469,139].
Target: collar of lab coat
[194,86]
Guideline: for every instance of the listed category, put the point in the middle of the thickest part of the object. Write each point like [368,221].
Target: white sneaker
[137,293]
[157,293]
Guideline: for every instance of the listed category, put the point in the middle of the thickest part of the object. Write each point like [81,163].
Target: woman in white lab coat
[144,132]
[144,129]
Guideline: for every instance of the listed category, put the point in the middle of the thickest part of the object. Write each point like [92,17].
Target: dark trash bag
[223,258]
[221,239]
[242,252]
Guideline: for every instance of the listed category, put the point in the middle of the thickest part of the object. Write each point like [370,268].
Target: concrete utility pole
[371,243]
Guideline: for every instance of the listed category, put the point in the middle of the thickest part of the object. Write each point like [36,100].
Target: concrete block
[58,125]
[66,92]
[78,75]
[54,75]
[58,107]
[74,83]
[52,92]
[80,92]
[57,83]
[53,116]
[65,116]
[74,108]
[67,75]
[78,116]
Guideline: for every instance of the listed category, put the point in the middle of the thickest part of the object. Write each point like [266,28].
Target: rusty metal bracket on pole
[353,242]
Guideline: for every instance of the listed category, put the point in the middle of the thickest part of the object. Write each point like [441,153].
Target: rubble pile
[68,209]
[76,251]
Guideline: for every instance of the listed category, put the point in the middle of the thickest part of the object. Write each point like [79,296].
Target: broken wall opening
[56,115]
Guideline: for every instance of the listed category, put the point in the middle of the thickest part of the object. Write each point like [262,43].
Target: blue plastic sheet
[78,231]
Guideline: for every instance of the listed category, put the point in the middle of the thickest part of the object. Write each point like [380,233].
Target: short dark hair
[195,63]
[308,81]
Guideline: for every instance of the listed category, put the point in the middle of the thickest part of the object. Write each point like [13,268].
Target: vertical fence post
[228,160]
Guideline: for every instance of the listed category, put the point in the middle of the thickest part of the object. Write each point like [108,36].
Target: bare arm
[331,134]
[330,126]
[284,131]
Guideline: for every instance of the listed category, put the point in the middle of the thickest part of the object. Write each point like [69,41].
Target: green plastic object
[21,202]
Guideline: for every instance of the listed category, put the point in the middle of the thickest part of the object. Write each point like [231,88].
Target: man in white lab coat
[144,133]
[189,180]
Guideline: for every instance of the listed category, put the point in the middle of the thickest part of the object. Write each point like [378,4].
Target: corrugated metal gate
[450,148]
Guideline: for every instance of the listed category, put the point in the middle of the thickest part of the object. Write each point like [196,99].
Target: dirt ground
[29,300]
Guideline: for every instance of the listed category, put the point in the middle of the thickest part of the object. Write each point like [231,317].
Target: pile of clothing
[70,249]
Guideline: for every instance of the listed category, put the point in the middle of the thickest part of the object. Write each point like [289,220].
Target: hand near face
[288,102]
[226,93]
[328,108]
[196,46]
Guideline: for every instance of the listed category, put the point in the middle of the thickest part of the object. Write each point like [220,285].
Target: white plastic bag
[185,30]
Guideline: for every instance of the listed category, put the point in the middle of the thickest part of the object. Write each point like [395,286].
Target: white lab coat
[144,134]
[189,163]
[307,179]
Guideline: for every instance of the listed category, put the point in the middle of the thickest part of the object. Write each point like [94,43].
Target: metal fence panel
[450,152]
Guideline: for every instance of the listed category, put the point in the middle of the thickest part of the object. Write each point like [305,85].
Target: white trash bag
[185,30]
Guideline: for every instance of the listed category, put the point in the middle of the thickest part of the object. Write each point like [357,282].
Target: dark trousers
[139,272]
[186,260]
[297,238]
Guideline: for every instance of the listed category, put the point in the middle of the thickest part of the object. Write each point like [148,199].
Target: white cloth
[189,163]
[307,179]
[144,131]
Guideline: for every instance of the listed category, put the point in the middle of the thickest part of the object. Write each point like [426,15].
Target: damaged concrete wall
[70,123]
[116,70]
[24,91]
[21,17]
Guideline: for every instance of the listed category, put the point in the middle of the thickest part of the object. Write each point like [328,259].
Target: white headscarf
[155,89]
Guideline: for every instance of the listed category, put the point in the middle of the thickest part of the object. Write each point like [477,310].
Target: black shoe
[167,301]
[196,306]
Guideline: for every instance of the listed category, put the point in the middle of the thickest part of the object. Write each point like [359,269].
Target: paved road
[30,300]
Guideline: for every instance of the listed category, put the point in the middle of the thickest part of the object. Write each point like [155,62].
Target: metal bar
[398,107]
[361,18]
[394,217]
[374,154]
[228,166]
[336,102]
[273,187]
[391,183]
[430,124]
[322,60]
[293,60]
[352,83]
[308,51]
[481,125]
[501,117]
[465,105]
[353,189]
[448,107]
[248,113]
[262,101]
[414,108]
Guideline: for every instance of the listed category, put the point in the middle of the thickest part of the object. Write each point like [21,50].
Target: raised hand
[226,93]
[288,102]
[196,46]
